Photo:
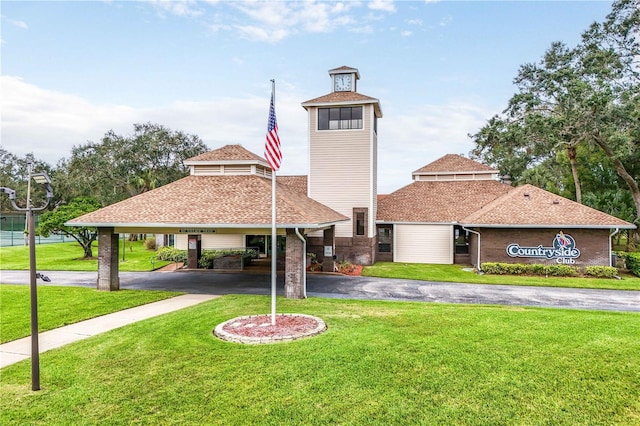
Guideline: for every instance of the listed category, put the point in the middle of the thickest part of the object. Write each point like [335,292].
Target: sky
[73,70]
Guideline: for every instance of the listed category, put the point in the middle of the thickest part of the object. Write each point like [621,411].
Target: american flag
[272,147]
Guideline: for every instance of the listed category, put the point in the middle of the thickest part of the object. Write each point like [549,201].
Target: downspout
[478,234]
[610,237]
[304,262]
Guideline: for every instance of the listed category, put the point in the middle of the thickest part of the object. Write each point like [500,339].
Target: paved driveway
[346,287]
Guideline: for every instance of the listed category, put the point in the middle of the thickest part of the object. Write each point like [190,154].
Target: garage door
[424,244]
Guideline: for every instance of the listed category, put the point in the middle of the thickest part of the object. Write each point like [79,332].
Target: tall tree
[585,96]
[14,173]
[119,166]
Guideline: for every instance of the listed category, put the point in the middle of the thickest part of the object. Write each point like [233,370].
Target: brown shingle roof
[297,183]
[228,153]
[531,206]
[438,202]
[342,68]
[455,163]
[345,98]
[216,201]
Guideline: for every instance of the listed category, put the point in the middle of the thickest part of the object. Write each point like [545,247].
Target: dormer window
[340,118]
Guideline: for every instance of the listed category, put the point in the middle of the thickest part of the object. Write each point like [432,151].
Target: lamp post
[43,179]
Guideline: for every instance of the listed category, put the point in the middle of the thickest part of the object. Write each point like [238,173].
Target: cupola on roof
[455,167]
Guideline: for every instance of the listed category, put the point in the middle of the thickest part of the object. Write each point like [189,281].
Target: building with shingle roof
[528,206]
[229,187]
[456,210]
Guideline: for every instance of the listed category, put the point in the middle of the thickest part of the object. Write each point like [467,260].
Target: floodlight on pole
[43,179]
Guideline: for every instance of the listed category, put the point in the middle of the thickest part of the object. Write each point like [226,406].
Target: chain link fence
[12,227]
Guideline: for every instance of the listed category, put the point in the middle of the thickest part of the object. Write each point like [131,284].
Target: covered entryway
[226,198]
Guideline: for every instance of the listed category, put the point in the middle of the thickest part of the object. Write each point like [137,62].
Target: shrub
[562,271]
[171,254]
[632,261]
[529,269]
[150,243]
[601,271]
[208,257]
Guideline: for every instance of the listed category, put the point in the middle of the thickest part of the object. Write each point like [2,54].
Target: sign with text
[563,250]
[196,231]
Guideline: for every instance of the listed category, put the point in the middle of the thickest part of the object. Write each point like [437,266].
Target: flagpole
[274,246]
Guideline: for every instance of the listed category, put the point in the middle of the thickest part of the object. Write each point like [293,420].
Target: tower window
[340,118]
[359,221]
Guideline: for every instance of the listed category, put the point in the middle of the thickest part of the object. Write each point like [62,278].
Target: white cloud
[406,33]
[251,32]
[20,24]
[385,5]
[408,142]
[50,123]
[446,21]
[177,7]
[272,21]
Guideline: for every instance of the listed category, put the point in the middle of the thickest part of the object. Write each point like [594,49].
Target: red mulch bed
[260,326]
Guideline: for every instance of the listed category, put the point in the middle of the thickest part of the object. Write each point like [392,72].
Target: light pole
[43,179]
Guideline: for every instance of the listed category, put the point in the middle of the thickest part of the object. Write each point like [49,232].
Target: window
[360,223]
[385,239]
[340,118]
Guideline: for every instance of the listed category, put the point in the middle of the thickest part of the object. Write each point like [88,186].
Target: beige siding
[222,241]
[340,169]
[212,241]
[423,244]
[180,241]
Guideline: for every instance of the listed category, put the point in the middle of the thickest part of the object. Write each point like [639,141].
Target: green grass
[58,306]
[68,257]
[379,363]
[455,273]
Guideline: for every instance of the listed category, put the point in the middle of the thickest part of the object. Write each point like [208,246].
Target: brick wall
[592,243]
[357,250]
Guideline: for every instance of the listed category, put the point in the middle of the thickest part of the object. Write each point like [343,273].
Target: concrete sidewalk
[20,349]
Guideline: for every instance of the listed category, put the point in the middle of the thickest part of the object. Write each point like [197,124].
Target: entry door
[385,243]
[260,243]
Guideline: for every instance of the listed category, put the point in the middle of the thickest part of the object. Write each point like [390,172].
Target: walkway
[20,349]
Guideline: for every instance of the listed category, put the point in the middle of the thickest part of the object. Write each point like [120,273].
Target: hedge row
[546,270]
[171,254]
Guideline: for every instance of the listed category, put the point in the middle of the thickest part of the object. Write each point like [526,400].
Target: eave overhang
[160,225]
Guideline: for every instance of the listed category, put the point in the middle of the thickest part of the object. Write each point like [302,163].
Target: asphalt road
[347,287]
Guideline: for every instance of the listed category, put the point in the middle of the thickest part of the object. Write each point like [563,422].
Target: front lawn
[68,257]
[379,363]
[457,273]
[58,306]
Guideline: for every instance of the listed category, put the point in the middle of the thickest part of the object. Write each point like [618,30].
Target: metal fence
[12,228]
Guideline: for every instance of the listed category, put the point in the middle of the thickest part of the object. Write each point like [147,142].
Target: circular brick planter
[256,329]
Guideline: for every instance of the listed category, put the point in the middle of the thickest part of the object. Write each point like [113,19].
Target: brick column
[294,266]
[328,241]
[108,279]
[194,246]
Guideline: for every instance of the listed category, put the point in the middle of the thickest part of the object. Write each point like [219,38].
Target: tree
[53,222]
[14,174]
[571,102]
[120,167]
